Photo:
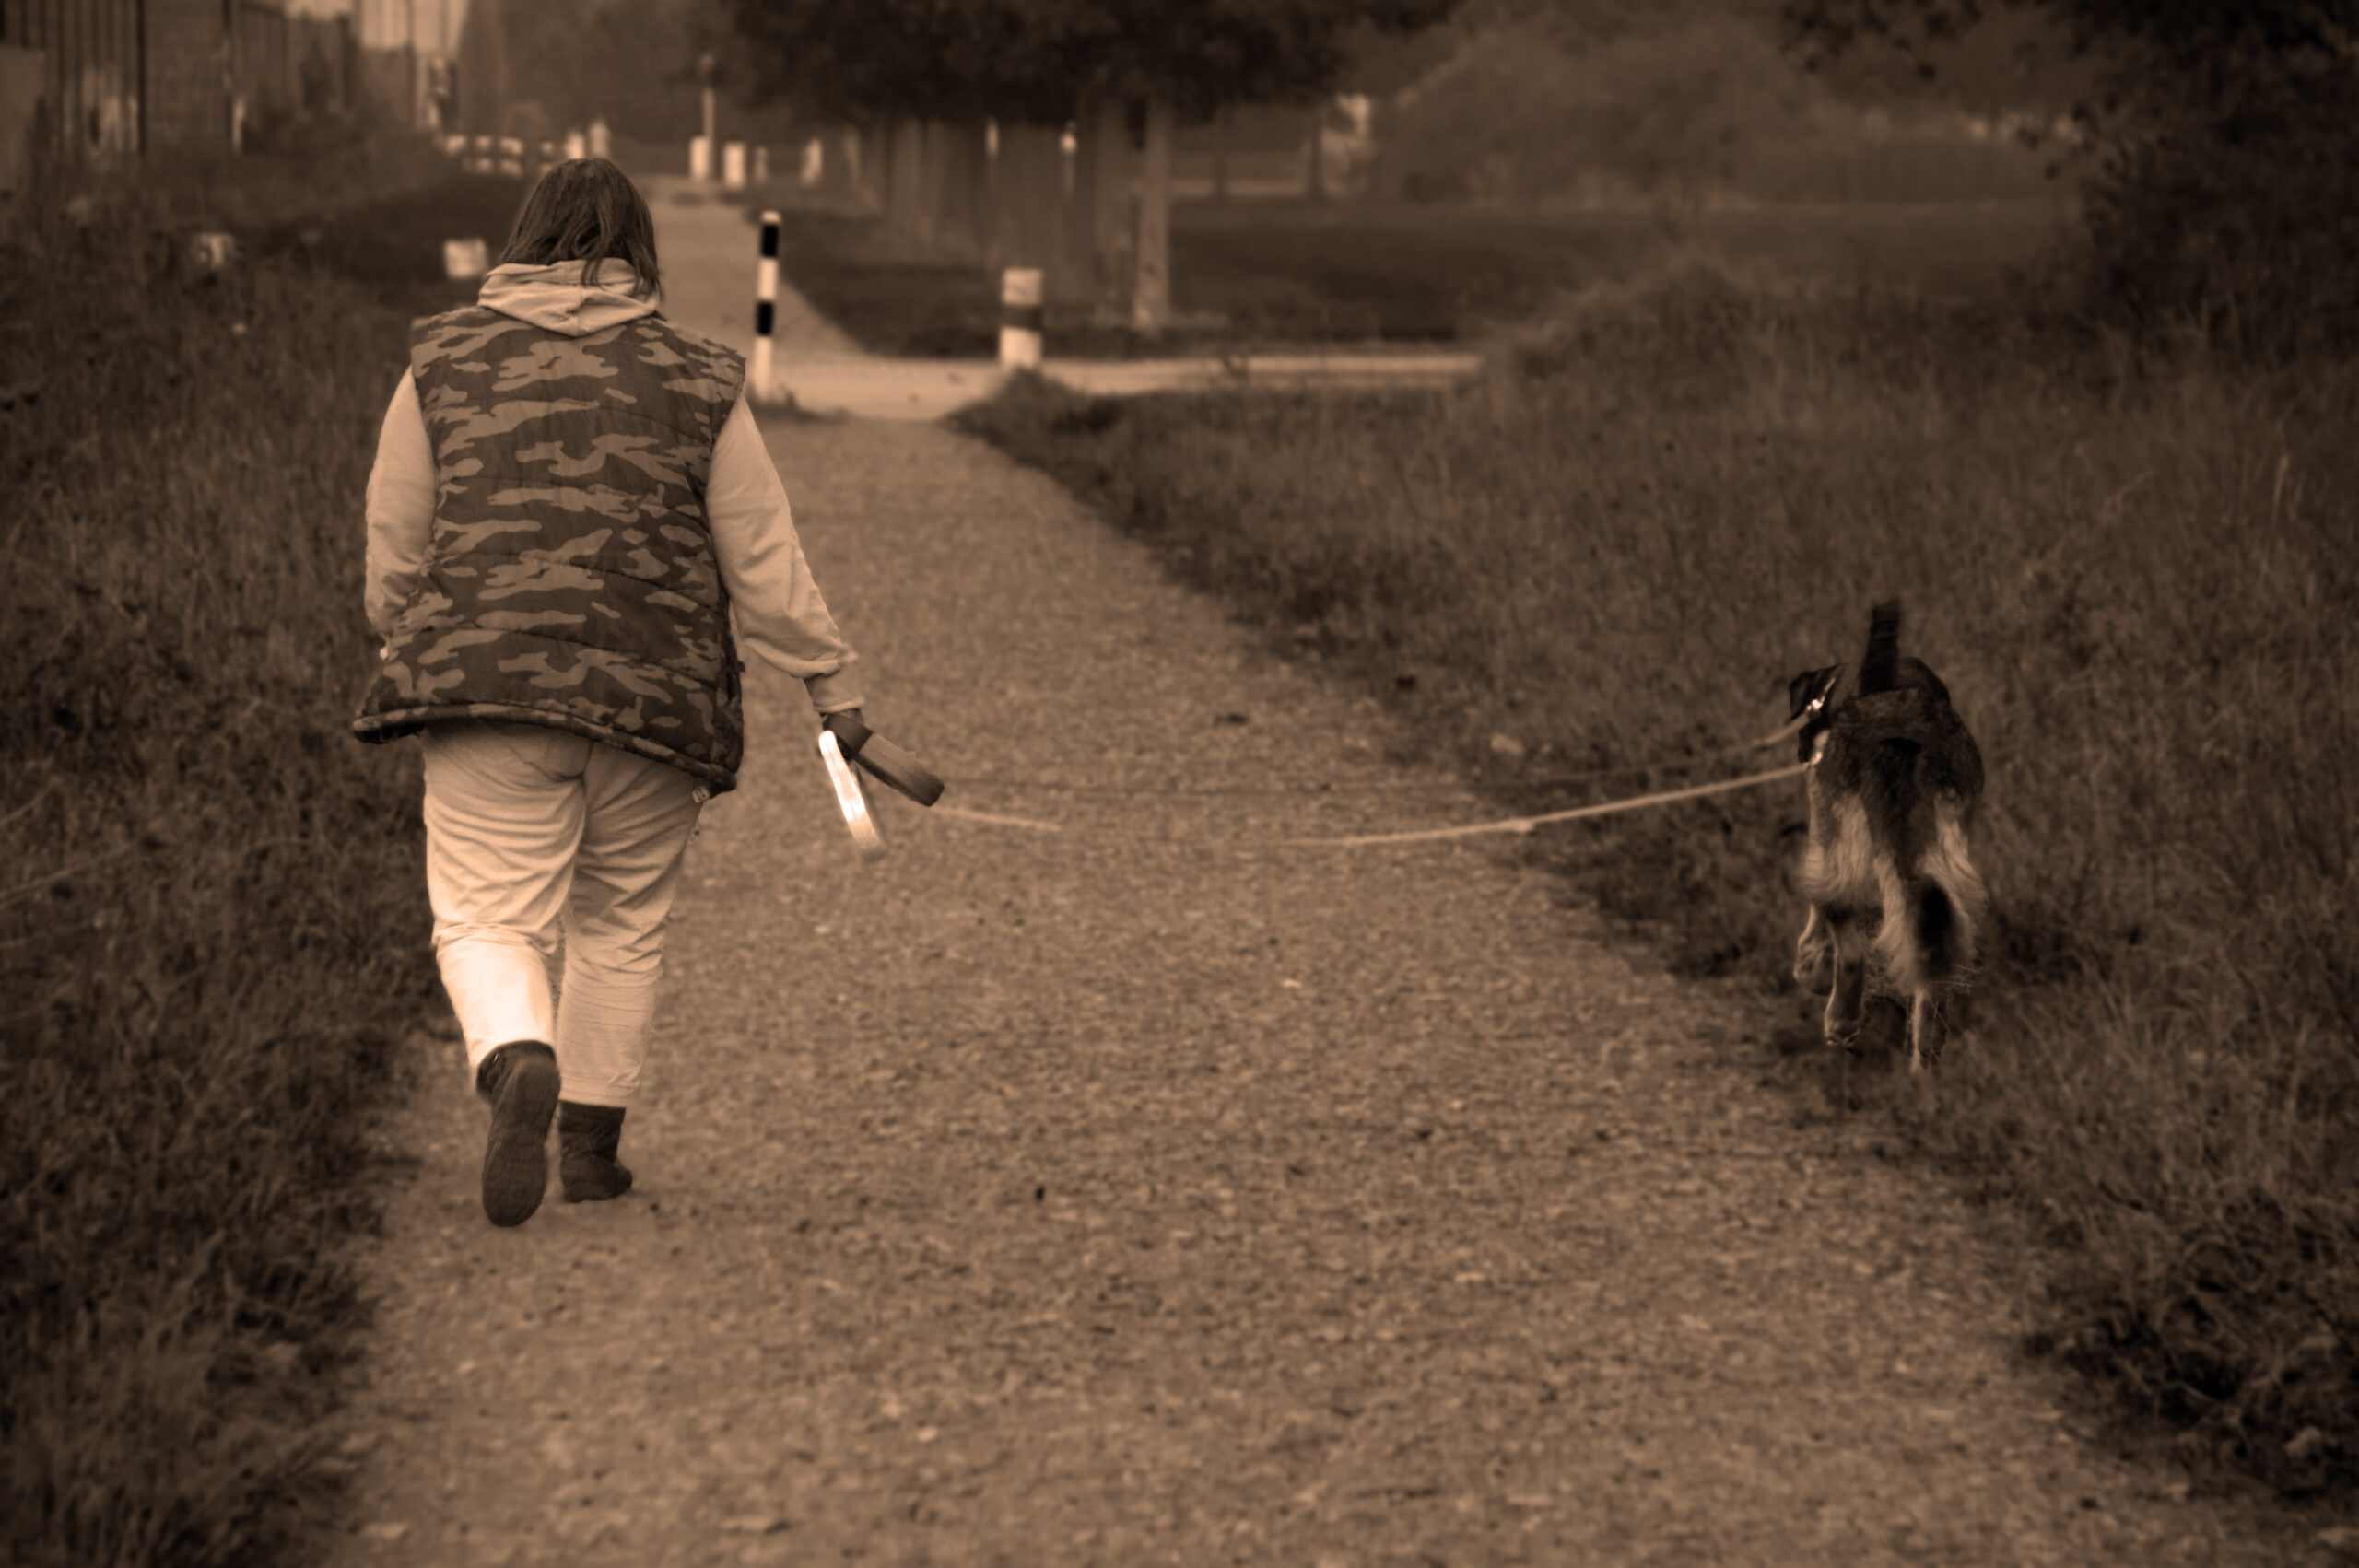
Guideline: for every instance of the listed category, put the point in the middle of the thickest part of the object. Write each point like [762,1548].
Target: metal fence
[91,66]
[117,79]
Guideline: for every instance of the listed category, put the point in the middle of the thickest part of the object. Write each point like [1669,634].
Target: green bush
[2242,235]
[213,917]
[2141,580]
[1680,106]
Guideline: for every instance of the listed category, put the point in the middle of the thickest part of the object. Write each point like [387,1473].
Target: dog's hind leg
[1846,995]
[1943,910]
[1814,955]
[1925,1032]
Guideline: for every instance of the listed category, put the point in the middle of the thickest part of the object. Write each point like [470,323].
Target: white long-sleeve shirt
[781,617]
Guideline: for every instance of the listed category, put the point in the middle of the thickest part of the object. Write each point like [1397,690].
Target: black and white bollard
[1019,319]
[765,306]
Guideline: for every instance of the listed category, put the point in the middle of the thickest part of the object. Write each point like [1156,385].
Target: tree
[2220,49]
[2226,197]
[1053,63]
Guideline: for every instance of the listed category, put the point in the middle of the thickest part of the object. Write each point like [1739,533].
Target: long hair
[585,210]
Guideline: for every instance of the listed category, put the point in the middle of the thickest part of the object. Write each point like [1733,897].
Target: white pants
[533,832]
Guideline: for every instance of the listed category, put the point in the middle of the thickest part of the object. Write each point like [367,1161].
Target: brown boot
[586,1137]
[519,1079]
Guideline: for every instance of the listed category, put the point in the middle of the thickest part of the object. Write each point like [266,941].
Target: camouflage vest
[571,580]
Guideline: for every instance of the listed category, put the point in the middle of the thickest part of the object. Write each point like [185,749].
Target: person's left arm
[782,618]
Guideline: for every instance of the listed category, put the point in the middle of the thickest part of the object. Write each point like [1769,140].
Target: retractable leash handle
[850,799]
[886,760]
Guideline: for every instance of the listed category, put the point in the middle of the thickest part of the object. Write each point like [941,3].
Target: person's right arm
[400,508]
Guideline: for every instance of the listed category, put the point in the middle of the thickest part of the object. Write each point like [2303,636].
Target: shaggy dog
[1894,780]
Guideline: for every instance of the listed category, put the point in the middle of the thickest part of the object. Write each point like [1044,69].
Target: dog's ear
[1809,685]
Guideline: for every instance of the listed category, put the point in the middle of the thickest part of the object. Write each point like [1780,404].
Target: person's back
[572,523]
[572,581]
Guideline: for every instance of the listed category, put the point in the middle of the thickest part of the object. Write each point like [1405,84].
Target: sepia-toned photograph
[1090,783]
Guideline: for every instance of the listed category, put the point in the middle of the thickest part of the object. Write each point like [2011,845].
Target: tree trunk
[965,190]
[1112,229]
[1315,156]
[1151,295]
[876,163]
[905,186]
[860,163]
[1027,204]
[934,175]
[1081,203]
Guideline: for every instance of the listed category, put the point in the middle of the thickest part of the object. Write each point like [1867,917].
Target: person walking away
[571,504]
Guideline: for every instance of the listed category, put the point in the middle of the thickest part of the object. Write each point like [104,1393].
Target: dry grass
[212,921]
[2141,580]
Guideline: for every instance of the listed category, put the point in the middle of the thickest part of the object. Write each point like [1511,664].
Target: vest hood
[553,298]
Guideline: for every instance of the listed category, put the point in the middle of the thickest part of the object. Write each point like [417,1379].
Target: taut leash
[1526,823]
[1519,824]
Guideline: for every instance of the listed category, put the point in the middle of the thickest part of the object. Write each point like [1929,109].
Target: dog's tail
[1941,947]
[1880,666]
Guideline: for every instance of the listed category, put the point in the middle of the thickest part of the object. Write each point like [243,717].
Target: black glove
[850,733]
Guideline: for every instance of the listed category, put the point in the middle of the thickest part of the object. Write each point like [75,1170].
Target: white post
[465,258]
[576,144]
[700,158]
[765,309]
[212,251]
[710,133]
[814,161]
[761,166]
[602,140]
[1019,319]
[733,166]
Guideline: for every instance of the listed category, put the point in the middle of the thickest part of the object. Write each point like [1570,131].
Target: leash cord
[1390,786]
[1519,825]
[1526,823]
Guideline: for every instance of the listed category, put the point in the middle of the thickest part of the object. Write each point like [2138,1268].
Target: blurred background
[2040,315]
[975,142]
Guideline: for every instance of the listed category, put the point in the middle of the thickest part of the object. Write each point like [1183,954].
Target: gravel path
[1135,1193]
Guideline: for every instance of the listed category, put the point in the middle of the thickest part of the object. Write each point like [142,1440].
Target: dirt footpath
[1143,1193]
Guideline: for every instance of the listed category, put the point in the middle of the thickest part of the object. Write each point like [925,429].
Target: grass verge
[213,923]
[1267,275]
[2142,583]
